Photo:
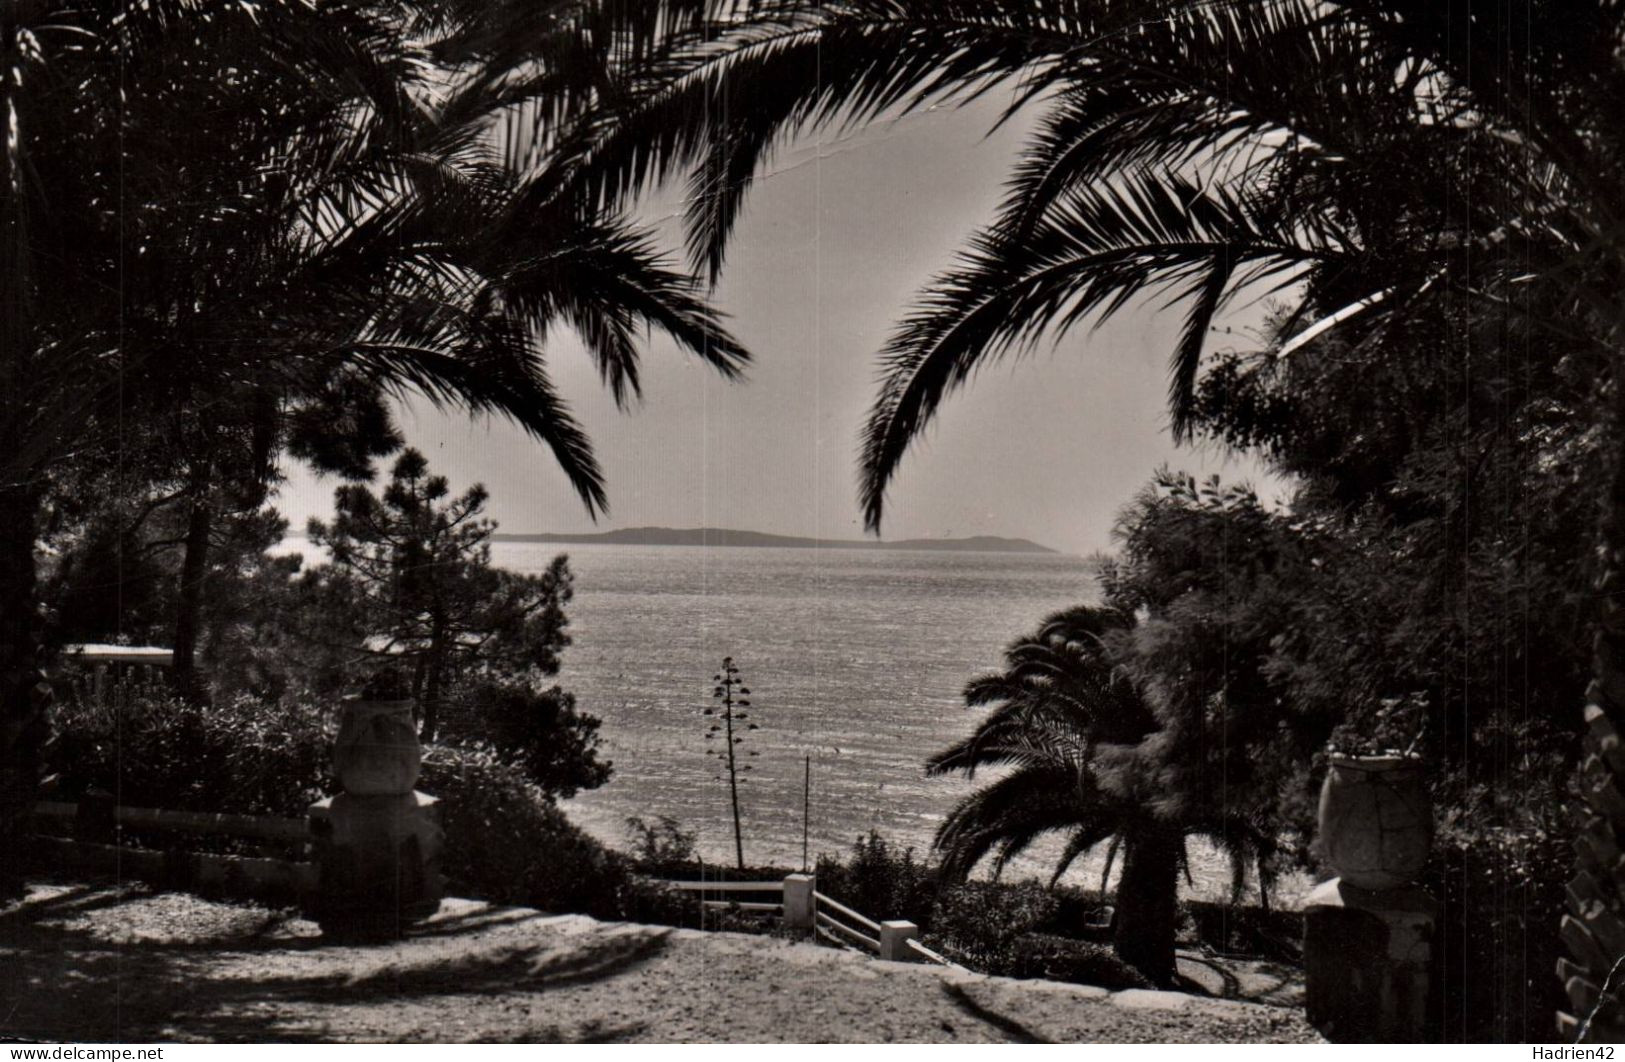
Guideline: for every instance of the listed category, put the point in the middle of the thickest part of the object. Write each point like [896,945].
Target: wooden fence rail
[727,886]
[803,907]
[889,940]
[256,827]
[841,908]
[928,955]
[94,846]
[842,933]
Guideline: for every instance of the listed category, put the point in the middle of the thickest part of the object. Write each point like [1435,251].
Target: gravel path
[83,962]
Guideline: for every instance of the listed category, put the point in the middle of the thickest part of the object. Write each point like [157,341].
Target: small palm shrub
[1087,753]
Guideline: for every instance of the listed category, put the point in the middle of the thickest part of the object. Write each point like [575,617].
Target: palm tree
[1075,732]
[1200,150]
[1384,160]
[427,261]
[216,208]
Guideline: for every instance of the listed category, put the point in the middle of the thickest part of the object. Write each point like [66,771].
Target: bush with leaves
[507,842]
[1502,858]
[977,923]
[881,880]
[538,731]
[1084,962]
[659,843]
[242,755]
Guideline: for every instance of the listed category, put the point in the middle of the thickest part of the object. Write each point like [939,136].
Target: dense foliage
[1097,758]
[410,581]
[150,748]
[540,732]
[231,232]
[1446,526]
[506,839]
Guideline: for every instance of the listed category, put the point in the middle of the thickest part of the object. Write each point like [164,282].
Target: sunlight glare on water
[854,657]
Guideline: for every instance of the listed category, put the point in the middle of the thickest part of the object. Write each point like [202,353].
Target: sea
[856,661]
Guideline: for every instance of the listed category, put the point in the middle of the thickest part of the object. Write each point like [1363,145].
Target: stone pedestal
[379,861]
[798,901]
[1367,959]
[894,938]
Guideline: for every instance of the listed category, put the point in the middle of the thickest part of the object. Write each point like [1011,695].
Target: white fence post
[798,901]
[894,938]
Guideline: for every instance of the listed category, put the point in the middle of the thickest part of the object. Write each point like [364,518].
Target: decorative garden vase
[1376,822]
[377,751]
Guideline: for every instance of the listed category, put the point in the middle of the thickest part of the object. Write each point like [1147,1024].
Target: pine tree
[411,578]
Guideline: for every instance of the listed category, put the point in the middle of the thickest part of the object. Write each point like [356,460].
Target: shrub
[881,881]
[978,923]
[508,843]
[242,755]
[1502,898]
[658,904]
[539,731]
[659,845]
[1079,961]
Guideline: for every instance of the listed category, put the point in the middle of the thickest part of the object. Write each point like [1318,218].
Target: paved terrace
[99,962]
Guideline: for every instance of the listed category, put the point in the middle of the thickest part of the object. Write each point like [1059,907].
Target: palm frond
[493,367]
[1051,708]
[741,88]
[1024,805]
[1082,840]
[607,279]
[1103,247]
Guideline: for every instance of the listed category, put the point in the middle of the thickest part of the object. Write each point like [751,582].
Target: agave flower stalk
[731,690]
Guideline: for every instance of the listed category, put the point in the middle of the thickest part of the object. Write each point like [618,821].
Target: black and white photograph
[809,521]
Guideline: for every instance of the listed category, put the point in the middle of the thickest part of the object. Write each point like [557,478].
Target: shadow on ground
[1014,1031]
[71,975]
[1251,980]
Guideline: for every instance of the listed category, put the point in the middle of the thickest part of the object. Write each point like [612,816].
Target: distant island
[720,536]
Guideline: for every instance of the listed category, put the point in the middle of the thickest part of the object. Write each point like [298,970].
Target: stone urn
[377,751]
[1376,821]
[377,844]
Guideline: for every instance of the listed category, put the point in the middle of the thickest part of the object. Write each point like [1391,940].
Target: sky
[838,235]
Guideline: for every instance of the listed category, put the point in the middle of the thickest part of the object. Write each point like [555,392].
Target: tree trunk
[435,681]
[1148,901]
[194,573]
[24,694]
[1594,929]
